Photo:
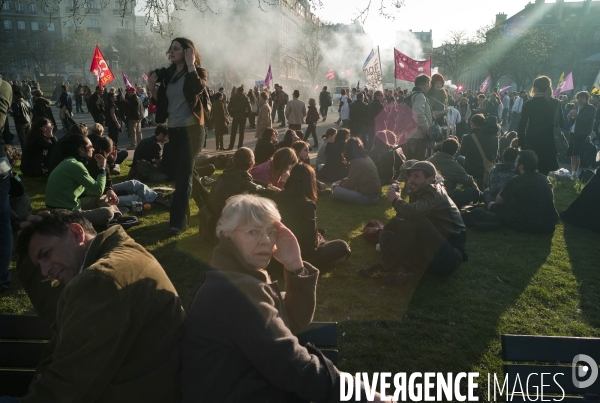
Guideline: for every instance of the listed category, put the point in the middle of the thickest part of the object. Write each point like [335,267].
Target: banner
[269,77]
[408,69]
[100,68]
[565,85]
[330,74]
[372,70]
[485,84]
[596,85]
[259,83]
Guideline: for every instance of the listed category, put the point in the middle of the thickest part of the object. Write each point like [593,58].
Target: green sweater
[68,181]
[452,172]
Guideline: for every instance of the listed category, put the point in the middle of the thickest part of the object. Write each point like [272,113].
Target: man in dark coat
[96,106]
[135,113]
[359,112]
[374,109]
[582,125]
[486,133]
[325,101]
[239,108]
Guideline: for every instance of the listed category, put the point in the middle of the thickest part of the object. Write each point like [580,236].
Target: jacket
[68,181]
[489,143]
[219,117]
[194,85]
[452,172]
[335,167]
[263,151]
[422,109]
[388,161]
[584,120]
[536,130]
[362,177]
[262,172]
[374,110]
[66,101]
[499,175]
[135,110]
[313,115]
[36,152]
[239,106]
[325,99]
[5,102]
[118,330]
[300,216]
[263,119]
[41,109]
[233,181]
[433,203]
[21,112]
[96,106]
[295,112]
[239,343]
[358,116]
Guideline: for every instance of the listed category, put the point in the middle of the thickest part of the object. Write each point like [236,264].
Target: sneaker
[162,200]
[397,278]
[370,271]
[116,170]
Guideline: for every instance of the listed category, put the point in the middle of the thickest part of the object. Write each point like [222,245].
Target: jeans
[464,197]
[78,105]
[312,129]
[273,112]
[354,197]
[281,114]
[323,111]
[140,191]
[188,143]
[238,122]
[6,235]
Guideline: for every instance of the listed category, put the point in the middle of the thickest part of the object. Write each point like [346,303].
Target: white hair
[246,209]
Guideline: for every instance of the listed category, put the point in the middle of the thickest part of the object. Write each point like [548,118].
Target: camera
[161,74]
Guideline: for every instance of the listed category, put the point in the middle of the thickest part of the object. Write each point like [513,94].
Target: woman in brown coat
[220,120]
[264,114]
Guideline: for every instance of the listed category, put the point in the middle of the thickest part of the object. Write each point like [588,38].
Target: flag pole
[379,56]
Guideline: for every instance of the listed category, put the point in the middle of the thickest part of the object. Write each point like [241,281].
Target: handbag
[560,141]
[372,230]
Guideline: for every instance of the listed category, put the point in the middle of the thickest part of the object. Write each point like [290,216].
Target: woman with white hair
[239,342]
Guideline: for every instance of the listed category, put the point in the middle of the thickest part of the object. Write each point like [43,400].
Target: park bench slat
[15,382]
[565,381]
[548,348]
[321,334]
[19,354]
[24,327]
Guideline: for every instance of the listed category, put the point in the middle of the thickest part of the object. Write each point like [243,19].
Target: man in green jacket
[119,320]
[70,179]
[454,174]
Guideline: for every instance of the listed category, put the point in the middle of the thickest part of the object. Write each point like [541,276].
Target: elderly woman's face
[255,243]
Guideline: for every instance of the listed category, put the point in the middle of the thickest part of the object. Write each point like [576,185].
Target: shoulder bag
[560,141]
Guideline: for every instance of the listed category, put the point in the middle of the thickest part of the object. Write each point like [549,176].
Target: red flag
[408,69]
[100,68]
[145,76]
[330,74]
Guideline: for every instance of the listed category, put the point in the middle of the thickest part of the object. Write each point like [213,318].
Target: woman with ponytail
[536,128]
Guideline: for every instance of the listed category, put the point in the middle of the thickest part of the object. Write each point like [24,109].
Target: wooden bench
[22,340]
[549,355]
[324,336]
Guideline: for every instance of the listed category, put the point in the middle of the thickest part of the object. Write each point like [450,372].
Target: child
[312,117]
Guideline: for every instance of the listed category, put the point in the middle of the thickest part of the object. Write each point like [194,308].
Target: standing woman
[178,98]
[253,110]
[345,109]
[264,114]
[536,128]
[219,118]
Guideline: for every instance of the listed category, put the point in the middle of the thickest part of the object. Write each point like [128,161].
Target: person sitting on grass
[235,181]
[71,179]
[118,319]
[454,174]
[38,147]
[128,191]
[239,340]
[427,235]
[328,137]
[288,139]
[501,174]
[335,167]
[147,157]
[297,204]
[266,145]
[56,155]
[362,185]
[583,212]
[120,156]
[387,158]
[526,203]
[484,133]
[276,170]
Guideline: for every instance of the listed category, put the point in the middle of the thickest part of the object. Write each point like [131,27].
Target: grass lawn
[512,283]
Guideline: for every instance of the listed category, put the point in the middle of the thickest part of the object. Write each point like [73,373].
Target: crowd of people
[120,332]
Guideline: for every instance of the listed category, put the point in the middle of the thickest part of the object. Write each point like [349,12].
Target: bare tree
[76,46]
[307,53]
[455,55]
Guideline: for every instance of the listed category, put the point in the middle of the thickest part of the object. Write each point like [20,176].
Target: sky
[419,15]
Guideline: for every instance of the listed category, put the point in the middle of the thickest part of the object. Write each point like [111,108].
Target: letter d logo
[582,371]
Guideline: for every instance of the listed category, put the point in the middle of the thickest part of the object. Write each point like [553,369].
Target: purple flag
[126,81]
[565,85]
[485,84]
[269,77]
